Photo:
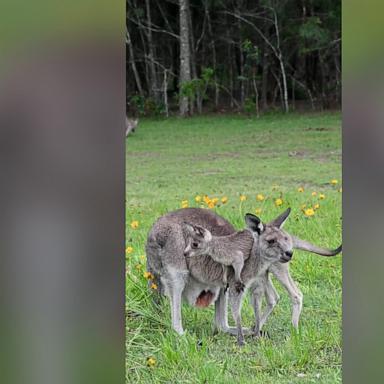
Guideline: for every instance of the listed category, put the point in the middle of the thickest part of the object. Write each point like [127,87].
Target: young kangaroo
[230,250]
[130,125]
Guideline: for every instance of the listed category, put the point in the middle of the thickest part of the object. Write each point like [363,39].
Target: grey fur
[200,279]
[229,250]
[130,125]
[268,244]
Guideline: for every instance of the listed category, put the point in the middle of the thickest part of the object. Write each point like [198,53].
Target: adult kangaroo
[199,280]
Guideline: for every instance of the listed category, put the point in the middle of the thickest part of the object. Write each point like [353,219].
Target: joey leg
[238,265]
[236,301]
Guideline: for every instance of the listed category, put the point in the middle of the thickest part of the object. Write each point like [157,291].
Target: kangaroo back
[166,239]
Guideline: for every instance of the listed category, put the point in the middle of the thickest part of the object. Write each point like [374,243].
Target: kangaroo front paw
[239,286]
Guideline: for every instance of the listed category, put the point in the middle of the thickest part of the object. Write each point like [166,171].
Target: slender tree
[185,57]
[184,53]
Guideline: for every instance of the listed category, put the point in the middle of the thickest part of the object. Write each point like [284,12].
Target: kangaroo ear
[254,223]
[202,232]
[190,228]
[280,220]
[207,235]
[197,230]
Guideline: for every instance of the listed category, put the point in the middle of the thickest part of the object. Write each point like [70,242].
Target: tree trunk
[256,94]
[324,99]
[281,91]
[153,75]
[193,62]
[242,87]
[144,44]
[264,81]
[293,93]
[285,87]
[337,75]
[213,47]
[230,58]
[282,66]
[306,89]
[185,56]
[165,89]
[133,64]
[230,65]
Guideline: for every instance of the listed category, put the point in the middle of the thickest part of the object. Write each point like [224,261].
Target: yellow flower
[224,199]
[198,199]
[142,257]
[243,197]
[211,204]
[314,193]
[309,212]
[258,211]
[334,181]
[134,224]
[128,250]
[215,200]
[139,266]
[148,275]
[300,189]
[316,206]
[206,199]
[278,202]
[184,204]
[340,190]
[151,361]
[321,196]
[153,286]
[260,197]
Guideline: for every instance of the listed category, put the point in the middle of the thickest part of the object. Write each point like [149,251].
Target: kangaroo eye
[195,245]
[271,241]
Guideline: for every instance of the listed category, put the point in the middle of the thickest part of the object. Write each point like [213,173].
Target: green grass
[168,161]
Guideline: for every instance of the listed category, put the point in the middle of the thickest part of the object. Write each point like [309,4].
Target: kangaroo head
[277,245]
[197,240]
[274,243]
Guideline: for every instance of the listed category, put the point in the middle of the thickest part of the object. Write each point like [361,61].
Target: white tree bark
[185,56]
[282,66]
[154,90]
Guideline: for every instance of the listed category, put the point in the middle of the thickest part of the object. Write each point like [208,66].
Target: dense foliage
[248,55]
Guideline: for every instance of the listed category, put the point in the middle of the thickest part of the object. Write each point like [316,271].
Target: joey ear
[197,230]
[280,220]
[203,232]
[207,235]
[189,227]
[254,223]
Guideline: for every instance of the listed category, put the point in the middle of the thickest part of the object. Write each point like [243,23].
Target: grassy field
[169,163]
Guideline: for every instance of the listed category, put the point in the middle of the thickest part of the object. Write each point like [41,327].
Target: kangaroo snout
[286,257]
